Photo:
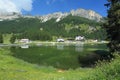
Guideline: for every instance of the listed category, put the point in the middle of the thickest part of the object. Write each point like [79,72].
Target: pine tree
[13,38]
[1,38]
[112,25]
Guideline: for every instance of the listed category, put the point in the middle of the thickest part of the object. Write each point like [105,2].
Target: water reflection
[79,47]
[60,47]
[60,56]
[24,46]
[91,58]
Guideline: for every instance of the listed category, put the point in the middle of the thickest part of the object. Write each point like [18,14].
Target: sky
[43,7]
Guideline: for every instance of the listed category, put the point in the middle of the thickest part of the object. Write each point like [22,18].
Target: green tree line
[35,29]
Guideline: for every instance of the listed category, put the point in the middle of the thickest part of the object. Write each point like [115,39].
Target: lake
[59,56]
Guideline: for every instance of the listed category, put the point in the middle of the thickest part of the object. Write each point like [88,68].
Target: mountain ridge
[89,14]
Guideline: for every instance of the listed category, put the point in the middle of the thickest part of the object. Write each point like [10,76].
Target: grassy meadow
[12,68]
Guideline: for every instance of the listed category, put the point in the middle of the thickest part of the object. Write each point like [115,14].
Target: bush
[107,71]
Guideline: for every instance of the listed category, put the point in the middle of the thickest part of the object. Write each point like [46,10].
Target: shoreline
[52,43]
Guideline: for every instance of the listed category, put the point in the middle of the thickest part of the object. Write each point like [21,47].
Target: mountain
[90,14]
[9,16]
[86,14]
[57,15]
[68,25]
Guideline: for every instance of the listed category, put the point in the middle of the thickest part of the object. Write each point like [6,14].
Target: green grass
[12,68]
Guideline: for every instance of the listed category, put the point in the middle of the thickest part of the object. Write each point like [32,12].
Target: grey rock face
[10,16]
[87,14]
[90,14]
[79,12]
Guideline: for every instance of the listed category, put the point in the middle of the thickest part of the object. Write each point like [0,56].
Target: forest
[68,27]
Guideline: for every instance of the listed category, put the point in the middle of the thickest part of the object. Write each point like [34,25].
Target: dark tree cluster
[1,38]
[112,25]
[37,35]
[35,29]
[13,38]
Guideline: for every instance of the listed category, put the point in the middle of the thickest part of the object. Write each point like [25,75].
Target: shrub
[107,71]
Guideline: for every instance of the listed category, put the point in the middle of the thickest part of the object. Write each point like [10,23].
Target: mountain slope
[90,14]
[70,26]
[67,25]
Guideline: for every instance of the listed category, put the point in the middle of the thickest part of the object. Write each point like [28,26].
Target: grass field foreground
[15,69]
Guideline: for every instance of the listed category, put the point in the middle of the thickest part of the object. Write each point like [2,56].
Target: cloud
[48,2]
[9,6]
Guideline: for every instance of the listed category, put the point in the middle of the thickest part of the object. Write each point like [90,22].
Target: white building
[24,40]
[60,40]
[79,38]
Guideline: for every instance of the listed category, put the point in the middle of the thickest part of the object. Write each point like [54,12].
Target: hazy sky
[42,7]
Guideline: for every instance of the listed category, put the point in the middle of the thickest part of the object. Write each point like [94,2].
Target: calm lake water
[58,56]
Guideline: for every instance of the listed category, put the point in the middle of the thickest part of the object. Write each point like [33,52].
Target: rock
[90,14]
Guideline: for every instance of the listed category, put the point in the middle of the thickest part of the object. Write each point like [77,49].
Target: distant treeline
[69,27]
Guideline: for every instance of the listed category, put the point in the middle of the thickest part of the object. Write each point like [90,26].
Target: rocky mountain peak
[9,16]
[90,14]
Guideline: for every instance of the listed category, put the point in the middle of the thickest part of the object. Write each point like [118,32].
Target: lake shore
[53,43]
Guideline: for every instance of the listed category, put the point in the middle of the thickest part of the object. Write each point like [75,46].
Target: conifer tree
[112,25]
[1,38]
[13,38]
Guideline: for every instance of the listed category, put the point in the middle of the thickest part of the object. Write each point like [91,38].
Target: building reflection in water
[60,47]
[79,47]
[24,46]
